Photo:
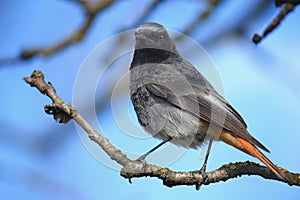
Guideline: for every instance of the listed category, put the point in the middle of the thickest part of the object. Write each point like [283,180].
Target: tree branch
[63,112]
[201,17]
[288,7]
[91,10]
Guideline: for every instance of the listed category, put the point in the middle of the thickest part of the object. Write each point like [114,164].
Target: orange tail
[250,149]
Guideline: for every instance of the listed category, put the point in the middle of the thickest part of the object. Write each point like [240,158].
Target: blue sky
[40,159]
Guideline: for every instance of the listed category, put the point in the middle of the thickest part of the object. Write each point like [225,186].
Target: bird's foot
[202,171]
[141,160]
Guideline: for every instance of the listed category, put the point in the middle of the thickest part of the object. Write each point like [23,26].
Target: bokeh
[41,159]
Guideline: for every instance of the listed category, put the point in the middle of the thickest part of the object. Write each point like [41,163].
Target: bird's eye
[161,36]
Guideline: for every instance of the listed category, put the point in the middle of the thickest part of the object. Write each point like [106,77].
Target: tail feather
[250,149]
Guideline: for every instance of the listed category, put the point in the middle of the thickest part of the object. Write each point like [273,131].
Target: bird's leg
[141,158]
[203,168]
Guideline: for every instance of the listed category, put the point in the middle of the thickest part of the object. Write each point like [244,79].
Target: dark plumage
[175,102]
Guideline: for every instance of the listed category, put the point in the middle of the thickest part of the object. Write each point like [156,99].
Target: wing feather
[210,107]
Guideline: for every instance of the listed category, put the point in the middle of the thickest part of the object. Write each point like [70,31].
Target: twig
[146,13]
[91,10]
[134,169]
[37,80]
[200,18]
[288,7]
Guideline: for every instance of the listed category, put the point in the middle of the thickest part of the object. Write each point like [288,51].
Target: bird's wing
[207,105]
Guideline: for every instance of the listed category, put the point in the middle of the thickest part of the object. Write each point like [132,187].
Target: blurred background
[41,159]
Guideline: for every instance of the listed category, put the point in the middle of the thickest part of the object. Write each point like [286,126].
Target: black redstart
[175,102]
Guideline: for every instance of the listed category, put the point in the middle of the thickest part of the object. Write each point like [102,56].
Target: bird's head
[155,36]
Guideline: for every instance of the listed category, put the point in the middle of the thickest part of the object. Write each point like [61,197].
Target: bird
[174,102]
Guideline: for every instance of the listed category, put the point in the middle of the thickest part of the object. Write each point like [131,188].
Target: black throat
[151,55]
